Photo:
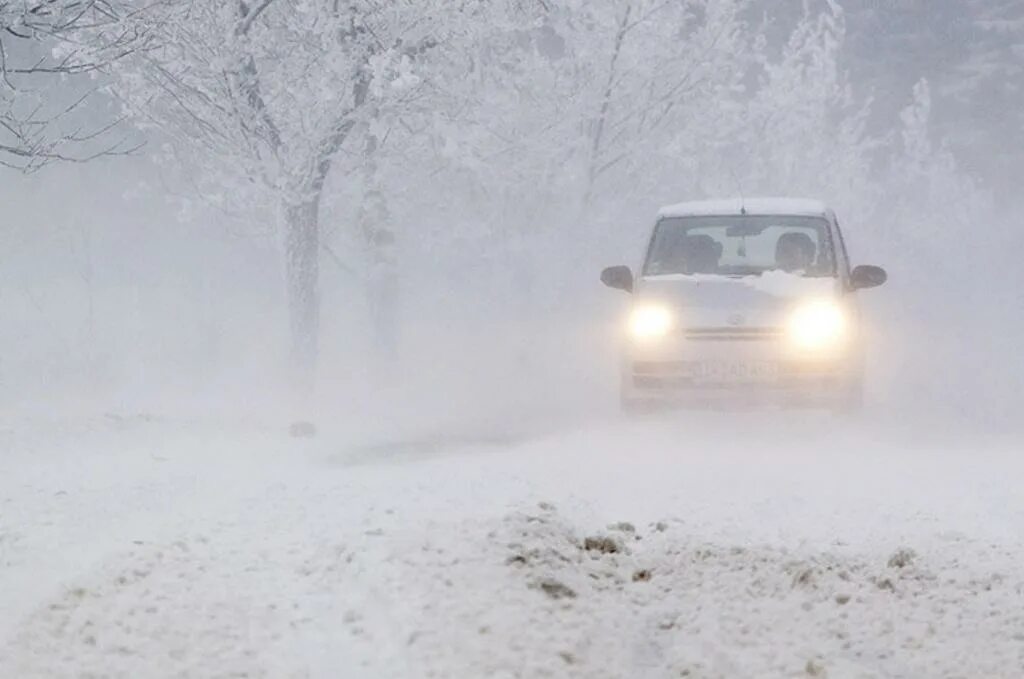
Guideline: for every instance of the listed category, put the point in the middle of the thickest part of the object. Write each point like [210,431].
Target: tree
[985,92]
[43,44]
[564,104]
[259,97]
[806,132]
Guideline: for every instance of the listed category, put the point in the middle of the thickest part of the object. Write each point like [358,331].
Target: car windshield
[741,245]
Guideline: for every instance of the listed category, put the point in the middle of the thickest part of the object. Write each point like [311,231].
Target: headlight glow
[818,324]
[650,322]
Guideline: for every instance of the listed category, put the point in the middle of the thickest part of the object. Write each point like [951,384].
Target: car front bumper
[756,369]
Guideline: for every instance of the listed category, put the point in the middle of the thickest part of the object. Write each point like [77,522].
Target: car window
[741,245]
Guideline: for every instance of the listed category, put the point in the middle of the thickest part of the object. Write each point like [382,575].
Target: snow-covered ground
[699,545]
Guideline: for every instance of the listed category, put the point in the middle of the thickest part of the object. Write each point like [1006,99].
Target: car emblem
[737,320]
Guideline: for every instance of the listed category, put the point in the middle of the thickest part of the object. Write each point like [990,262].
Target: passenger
[795,252]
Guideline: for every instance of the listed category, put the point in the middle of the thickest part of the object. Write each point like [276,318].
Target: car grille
[732,334]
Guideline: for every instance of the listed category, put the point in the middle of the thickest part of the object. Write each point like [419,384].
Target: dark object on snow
[302,430]
[602,544]
[555,589]
[902,558]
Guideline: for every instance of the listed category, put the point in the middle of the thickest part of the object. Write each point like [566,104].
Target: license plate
[734,372]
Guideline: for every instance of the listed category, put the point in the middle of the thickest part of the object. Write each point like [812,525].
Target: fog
[119,301]
[304,328]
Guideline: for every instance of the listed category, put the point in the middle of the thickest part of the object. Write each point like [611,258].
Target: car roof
[801,207]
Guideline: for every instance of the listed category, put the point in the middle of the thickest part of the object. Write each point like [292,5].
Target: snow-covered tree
[258,98]
[48,51]
[567,104]
[929,189]
[984,118]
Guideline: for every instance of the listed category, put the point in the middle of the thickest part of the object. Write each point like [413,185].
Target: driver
[795,252]
[703,254]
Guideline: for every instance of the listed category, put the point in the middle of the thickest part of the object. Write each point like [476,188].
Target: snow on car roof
[753,206]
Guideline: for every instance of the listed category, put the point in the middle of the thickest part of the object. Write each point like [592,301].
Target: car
[744,301]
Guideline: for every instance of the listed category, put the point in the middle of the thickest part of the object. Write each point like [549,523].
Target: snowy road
[715,545]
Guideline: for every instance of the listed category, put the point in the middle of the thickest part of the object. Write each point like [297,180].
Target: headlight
[650,322]
[820,324]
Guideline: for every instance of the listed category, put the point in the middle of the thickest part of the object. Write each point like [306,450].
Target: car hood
[723,301]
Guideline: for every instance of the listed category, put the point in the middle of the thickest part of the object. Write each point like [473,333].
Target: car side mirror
[618,277]
[866,276]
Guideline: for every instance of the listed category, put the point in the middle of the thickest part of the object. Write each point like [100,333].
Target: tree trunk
[382,282]
[302,270]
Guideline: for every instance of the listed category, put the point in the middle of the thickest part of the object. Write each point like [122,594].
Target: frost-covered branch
[259,99]
[50,54]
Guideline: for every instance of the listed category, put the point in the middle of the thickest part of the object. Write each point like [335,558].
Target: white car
[750,300]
